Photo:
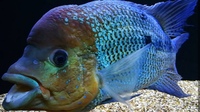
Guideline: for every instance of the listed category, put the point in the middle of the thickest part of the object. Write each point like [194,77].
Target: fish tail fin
[167,83]
[172,15]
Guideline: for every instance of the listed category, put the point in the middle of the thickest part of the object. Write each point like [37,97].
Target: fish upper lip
[20,79]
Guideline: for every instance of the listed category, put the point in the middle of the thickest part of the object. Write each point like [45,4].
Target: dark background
[18,16]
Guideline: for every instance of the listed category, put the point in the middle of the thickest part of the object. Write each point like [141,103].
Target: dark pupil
[60,58]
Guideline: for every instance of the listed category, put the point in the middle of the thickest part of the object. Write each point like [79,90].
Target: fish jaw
[49,92]
[22,93]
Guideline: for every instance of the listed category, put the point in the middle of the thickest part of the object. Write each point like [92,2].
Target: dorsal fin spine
[172,15]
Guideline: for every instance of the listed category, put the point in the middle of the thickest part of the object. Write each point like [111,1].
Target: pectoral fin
[121,77]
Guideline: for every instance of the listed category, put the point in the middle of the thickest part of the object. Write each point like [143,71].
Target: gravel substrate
[151,101]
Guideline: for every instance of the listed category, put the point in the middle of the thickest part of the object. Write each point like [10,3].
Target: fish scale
[150,70]
[116,39]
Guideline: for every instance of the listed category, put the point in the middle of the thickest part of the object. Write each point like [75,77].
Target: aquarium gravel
[150,101]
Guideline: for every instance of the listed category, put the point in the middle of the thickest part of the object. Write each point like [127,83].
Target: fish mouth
[25,90]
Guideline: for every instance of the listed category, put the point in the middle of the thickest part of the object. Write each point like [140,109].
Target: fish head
[57,68]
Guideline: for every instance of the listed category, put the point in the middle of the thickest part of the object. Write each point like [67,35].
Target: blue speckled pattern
[120,29]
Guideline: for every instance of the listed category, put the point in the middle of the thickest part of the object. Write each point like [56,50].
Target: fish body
[80,56]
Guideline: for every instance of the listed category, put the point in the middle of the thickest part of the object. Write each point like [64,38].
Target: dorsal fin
[172,14]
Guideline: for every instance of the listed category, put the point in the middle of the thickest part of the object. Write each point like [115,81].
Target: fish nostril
[35,62]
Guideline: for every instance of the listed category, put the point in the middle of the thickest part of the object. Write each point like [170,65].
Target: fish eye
[59,57]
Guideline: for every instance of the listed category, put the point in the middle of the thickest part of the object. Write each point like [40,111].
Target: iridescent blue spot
[75,18]
[92,25]
[78,78]
[64,71]
[99,34]
[85,15]
[77,86]
[75,13]
[87,18]
[66,20]
[84,96]
[88,22]
[68,81]
[81,20]
[79,103]
[97,28]
[94,30]
[109,18]
[69,13]
[89,9]
[57,76]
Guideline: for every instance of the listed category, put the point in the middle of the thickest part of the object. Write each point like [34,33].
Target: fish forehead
[57,28]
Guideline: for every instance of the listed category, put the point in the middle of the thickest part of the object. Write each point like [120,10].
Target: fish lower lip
[15,99]
[23,92]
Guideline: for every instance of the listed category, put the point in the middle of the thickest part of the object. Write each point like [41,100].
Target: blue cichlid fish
[80,56]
